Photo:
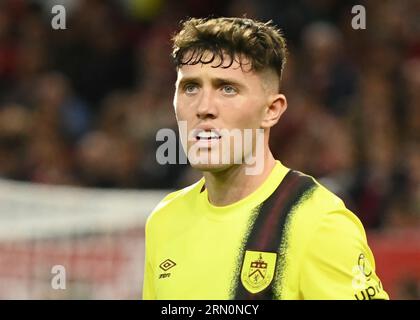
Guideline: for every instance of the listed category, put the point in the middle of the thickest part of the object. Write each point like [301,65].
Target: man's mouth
[207,135]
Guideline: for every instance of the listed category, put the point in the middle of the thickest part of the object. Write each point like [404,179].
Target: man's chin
[210,167]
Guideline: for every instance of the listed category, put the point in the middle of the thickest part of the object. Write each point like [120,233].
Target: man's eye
[191,88]
[229,89]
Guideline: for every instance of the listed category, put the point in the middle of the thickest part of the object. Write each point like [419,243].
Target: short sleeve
[338,263]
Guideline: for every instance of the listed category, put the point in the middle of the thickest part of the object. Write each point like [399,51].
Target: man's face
[211,102]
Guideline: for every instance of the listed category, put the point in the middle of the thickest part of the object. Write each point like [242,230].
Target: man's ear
[277,104]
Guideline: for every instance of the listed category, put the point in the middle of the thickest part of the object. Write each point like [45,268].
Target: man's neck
[233,184]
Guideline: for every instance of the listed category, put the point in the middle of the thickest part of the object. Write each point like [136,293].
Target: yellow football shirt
[289,239]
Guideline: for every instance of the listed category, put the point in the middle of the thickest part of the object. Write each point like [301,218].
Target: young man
[250,228]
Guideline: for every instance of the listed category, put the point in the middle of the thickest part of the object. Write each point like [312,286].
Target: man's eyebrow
[221,81]
[216,82]
[186,80]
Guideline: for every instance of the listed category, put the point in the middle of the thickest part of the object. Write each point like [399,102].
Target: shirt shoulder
[334,211]
[336,261]
[173,202]
[320,202]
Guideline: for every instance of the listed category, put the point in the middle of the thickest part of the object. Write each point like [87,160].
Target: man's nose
[207,106]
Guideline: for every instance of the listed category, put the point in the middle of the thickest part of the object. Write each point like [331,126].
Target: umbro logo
[165,266]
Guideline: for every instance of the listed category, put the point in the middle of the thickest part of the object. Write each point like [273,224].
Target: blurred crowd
[82,106]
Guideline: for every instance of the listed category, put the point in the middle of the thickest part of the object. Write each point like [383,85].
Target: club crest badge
[258,270]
